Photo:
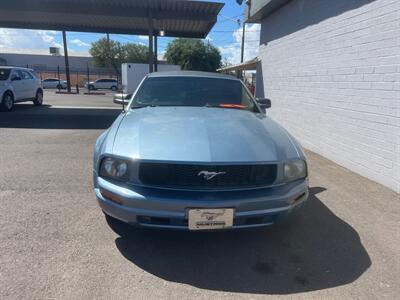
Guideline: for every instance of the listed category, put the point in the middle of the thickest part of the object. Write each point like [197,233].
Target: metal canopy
[260,9]
[177,18]
[248,65]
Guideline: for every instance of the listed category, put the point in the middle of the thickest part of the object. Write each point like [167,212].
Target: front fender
[98,148]
[105,142]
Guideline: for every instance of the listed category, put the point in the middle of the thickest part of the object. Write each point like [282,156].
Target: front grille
[187,176]
[183,223]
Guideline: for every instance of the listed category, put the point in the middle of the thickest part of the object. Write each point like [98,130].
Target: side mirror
[264,103]
[122,98]
[15,78]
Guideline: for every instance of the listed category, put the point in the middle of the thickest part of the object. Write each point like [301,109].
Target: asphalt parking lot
[56,244]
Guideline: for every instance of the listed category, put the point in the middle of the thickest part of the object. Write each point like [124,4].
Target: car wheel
[59,86]
[114,88]
[38,99]
[91,87]
[8,102]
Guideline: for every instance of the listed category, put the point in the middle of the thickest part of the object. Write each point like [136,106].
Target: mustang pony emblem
[209,175]
[211,216]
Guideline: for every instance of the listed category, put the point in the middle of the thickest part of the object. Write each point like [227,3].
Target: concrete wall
[332,71]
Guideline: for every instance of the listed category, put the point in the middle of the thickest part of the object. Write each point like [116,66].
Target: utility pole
[248,3]
[243,37]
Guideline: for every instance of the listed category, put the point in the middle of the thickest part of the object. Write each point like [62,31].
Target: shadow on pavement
[47,117]
[313,250]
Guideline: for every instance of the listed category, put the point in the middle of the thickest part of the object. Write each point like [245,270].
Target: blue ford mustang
[196,151]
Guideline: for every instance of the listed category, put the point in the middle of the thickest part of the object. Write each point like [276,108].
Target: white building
[44,61]
[332,71]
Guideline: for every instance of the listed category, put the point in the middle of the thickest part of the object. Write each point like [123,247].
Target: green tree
[136,53]
[119,53]
[193,54]
[101,52]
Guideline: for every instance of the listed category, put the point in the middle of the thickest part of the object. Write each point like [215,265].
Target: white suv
[104,83]
[54,83]
[19,85]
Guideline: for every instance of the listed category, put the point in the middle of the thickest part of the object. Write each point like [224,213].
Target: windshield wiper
[154,105]
[142,106]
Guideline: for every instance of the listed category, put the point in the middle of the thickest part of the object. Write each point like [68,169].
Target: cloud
[161,54]
[79,43]
[44,51]
[143,37]
[232,51]
[23,38]
[33,41]
[208,38]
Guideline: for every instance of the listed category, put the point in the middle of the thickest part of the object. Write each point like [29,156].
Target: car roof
[191,74]
[11,67]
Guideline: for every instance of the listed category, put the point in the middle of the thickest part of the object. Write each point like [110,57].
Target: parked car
[122,98]
[54,83]
[105,83]
[196,151]
[19,85]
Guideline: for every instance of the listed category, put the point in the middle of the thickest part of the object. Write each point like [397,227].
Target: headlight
[114,168]
[295,169]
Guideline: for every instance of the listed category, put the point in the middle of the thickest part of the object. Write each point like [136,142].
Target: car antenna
[123,102]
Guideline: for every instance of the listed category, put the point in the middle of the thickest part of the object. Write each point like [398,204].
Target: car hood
[201,134]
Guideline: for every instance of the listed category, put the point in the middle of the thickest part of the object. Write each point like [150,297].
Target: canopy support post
[155,54]
[151,34]
[66,61]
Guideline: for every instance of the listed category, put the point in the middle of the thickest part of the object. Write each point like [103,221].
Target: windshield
[193,91]
[4,74]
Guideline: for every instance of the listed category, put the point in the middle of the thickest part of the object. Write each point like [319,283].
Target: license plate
[206,219]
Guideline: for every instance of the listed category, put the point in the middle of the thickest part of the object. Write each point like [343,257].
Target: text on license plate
[205,219]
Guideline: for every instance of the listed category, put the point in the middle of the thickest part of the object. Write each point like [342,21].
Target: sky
[226,35]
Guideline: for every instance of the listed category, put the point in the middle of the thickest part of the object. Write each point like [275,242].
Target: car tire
[114,88]
[38,99]
[59,87]
[7,103]
[91,88]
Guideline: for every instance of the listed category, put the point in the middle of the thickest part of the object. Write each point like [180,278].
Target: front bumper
[159,208]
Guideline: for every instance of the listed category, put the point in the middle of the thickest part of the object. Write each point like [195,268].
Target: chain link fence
[78,76]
